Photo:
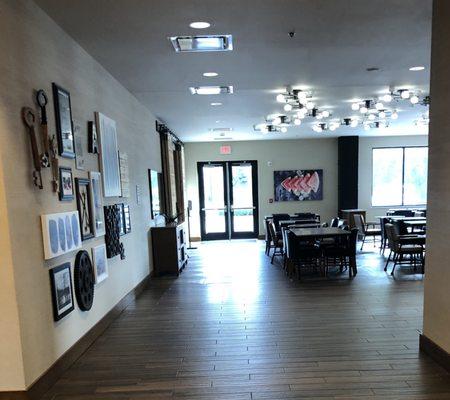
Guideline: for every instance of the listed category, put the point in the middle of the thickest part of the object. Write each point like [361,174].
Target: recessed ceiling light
[211,90]
[202,43]
[200,25]
[216,104]
[210,74]
[418,68]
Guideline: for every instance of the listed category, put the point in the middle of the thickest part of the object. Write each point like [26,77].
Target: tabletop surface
[315,232]
[402,218]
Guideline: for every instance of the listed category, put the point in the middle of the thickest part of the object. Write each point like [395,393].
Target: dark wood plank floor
[234,327]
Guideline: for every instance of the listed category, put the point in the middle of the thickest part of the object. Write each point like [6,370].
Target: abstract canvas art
[298,185]
[60,233]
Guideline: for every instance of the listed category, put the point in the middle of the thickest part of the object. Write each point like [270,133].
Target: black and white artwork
[61,233]
[92,138]
[78,139]
[63,117]
[62,292]
[98,216]
[100,263]
[66,192]
[109,158]
[83,190]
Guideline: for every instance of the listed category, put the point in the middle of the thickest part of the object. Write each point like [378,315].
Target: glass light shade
[287,107]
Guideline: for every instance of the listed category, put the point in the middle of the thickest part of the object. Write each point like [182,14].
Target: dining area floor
[233,326]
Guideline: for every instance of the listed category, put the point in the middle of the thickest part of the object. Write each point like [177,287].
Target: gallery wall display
[155,182]
[60,233]
[112,237]
[298,185]
[98,216]
[63,117]
[62,293]
[100,263]
[66,191]
[84,280]
[109,159]
[83,190]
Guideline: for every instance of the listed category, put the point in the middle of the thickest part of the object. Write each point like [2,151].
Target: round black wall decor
[84,280]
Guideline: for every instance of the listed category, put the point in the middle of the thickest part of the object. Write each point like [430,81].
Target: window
[399,176]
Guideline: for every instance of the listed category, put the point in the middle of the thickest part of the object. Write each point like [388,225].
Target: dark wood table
[401,218]
[288,222]
[308,233]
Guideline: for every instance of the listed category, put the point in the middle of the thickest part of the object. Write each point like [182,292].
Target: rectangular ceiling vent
[211,90]
[220,129]
[183,44]
[223,138]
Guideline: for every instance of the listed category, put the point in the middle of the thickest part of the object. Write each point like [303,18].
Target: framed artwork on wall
[78,141]
[62,291]
[64,125]
[66,192]
[100,263]
[98,216]
[298,185]
[154,178]
[92,138]
[60,233]
[126,218]
[83,190]
[109,157]
[121,219]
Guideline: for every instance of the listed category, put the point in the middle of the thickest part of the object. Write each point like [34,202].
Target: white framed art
[100,263]
[98,216]
[60,233]
[109,158]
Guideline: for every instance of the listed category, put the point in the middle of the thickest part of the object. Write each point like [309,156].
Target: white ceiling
[335,41]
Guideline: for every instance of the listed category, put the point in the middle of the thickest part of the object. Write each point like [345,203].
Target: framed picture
[60,233]
[98,216]
[126,218]
[83,189]
[121,220]
[109,157]
[62,291]
[64,126]
[298,185]
[100,263]
[124,174]
[92,138]
[65,184]
[154,179]
[78,140]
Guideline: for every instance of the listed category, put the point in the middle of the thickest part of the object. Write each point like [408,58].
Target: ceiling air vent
[223,138]
[202,43]
[205,90]
[220,129]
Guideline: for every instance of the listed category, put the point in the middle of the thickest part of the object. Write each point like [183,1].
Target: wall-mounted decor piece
[84,279]
[98,216]
[29,119]
[60,233]
[298,185]
[124,174]
[126,218]
[83,190]
[63,117]
[154,179]
[112,236]
[109,158]
[62,293]
[138,194]
[121,220]
[100,263]
[66,192]
[42,101]
[78,140]
[92,138]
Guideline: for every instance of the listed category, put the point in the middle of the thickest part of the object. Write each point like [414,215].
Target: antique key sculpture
[29,119]
[42,101]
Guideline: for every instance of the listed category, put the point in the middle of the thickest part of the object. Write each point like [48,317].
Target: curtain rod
[162,128]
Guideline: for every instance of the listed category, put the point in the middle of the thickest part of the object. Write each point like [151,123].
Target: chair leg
[387,261]
[396,257]
[362,244]
[273,255]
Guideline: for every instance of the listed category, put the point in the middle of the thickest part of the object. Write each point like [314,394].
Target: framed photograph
[109,156]
[64,126]
[100,263]
[60,233]
[62,291]
[83,190]
[124,174]
[121,219]
[126,218]
[154,179]
[298,185]
[98,216]
[78,139]
[66,192]
[92,138]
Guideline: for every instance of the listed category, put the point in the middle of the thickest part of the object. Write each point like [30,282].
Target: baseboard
[49,378]
[261,237]
[434,351]
[196,239]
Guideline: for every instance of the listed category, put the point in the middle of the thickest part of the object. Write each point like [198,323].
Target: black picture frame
[62,291]
[92,138]
[126,218]
[64,123]
[121,219]
[83,191]
[63,182]
[155,180]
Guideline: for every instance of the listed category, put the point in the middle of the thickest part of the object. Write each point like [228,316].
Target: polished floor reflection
[233,326]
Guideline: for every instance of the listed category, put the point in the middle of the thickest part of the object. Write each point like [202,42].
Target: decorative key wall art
[112,238]
[83,189]
[109,159]
[298,185]
[62,293]
[98,216]
[61,233]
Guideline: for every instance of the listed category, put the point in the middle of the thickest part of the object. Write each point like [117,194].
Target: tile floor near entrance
[233,326]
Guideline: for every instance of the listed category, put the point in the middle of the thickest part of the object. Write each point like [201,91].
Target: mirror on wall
[155,194]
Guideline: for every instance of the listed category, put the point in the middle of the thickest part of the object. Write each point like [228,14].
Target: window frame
[403,176]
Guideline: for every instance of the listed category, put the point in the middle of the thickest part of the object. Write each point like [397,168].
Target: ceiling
[335,42]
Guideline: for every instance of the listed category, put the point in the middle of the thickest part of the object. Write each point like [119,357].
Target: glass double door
[228,199]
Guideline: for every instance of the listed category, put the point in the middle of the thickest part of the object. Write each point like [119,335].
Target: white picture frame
[109,158]
[98,216]
[100,262]
[60,233]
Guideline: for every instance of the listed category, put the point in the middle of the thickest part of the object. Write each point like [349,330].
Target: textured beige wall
[284,154]
[437,278]
[34,53]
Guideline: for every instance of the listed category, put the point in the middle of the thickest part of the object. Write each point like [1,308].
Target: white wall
[366,144]
[35,53]
[284,155]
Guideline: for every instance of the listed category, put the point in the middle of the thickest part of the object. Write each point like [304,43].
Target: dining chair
[384,239]
[277,242]
[276,218]
[301,254]
[268,238]
[364,230]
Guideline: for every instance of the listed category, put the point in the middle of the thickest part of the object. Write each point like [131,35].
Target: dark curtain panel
[179,180]
[166,207]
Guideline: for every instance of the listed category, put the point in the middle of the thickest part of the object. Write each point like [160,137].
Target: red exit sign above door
[225,149]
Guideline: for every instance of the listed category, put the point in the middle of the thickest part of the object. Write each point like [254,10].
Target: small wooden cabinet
[169,249]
